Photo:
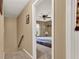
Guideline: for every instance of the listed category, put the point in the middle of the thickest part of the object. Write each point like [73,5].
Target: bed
[44,41]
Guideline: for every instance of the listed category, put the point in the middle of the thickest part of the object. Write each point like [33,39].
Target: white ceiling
[43,7]
[12,8]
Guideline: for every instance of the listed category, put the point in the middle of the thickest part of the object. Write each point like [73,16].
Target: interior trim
[27,52]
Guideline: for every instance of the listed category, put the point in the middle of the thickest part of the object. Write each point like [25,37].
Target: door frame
[70,26]
[33,29]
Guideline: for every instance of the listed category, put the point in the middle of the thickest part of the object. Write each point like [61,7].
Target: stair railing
[20,41]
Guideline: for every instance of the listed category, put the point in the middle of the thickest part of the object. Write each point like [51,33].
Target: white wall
[76,46]
[74,34]
[10,43]
[75,42]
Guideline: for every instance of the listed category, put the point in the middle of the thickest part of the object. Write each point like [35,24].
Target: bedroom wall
[10,43]
[44,28]
[49,28]
[60,29]
[25,29]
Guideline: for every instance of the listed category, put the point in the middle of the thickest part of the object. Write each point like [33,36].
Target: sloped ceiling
[12,8]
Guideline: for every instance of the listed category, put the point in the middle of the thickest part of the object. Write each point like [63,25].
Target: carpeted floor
[16,55]
[43,52]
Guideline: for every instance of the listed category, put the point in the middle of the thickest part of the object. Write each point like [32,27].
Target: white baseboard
[27,53]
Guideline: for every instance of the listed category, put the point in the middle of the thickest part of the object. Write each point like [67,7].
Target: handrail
[20,41]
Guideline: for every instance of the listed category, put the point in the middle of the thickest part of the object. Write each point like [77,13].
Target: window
[37,30]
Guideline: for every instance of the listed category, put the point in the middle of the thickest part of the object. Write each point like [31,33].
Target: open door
[43,29]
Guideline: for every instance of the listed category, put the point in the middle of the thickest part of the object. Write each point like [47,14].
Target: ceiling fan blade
[48,17]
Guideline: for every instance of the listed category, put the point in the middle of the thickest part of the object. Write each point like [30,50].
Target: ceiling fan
[45,17]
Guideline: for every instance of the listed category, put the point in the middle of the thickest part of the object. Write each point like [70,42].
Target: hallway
[16,30]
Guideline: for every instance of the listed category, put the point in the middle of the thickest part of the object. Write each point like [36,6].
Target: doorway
[43,29]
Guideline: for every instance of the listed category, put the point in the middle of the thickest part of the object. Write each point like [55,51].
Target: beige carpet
[43,52]
[17,55]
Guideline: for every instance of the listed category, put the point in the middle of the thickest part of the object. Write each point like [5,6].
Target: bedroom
[43,39]
[43,29]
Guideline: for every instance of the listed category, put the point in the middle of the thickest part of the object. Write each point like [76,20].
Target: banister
[20,41]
